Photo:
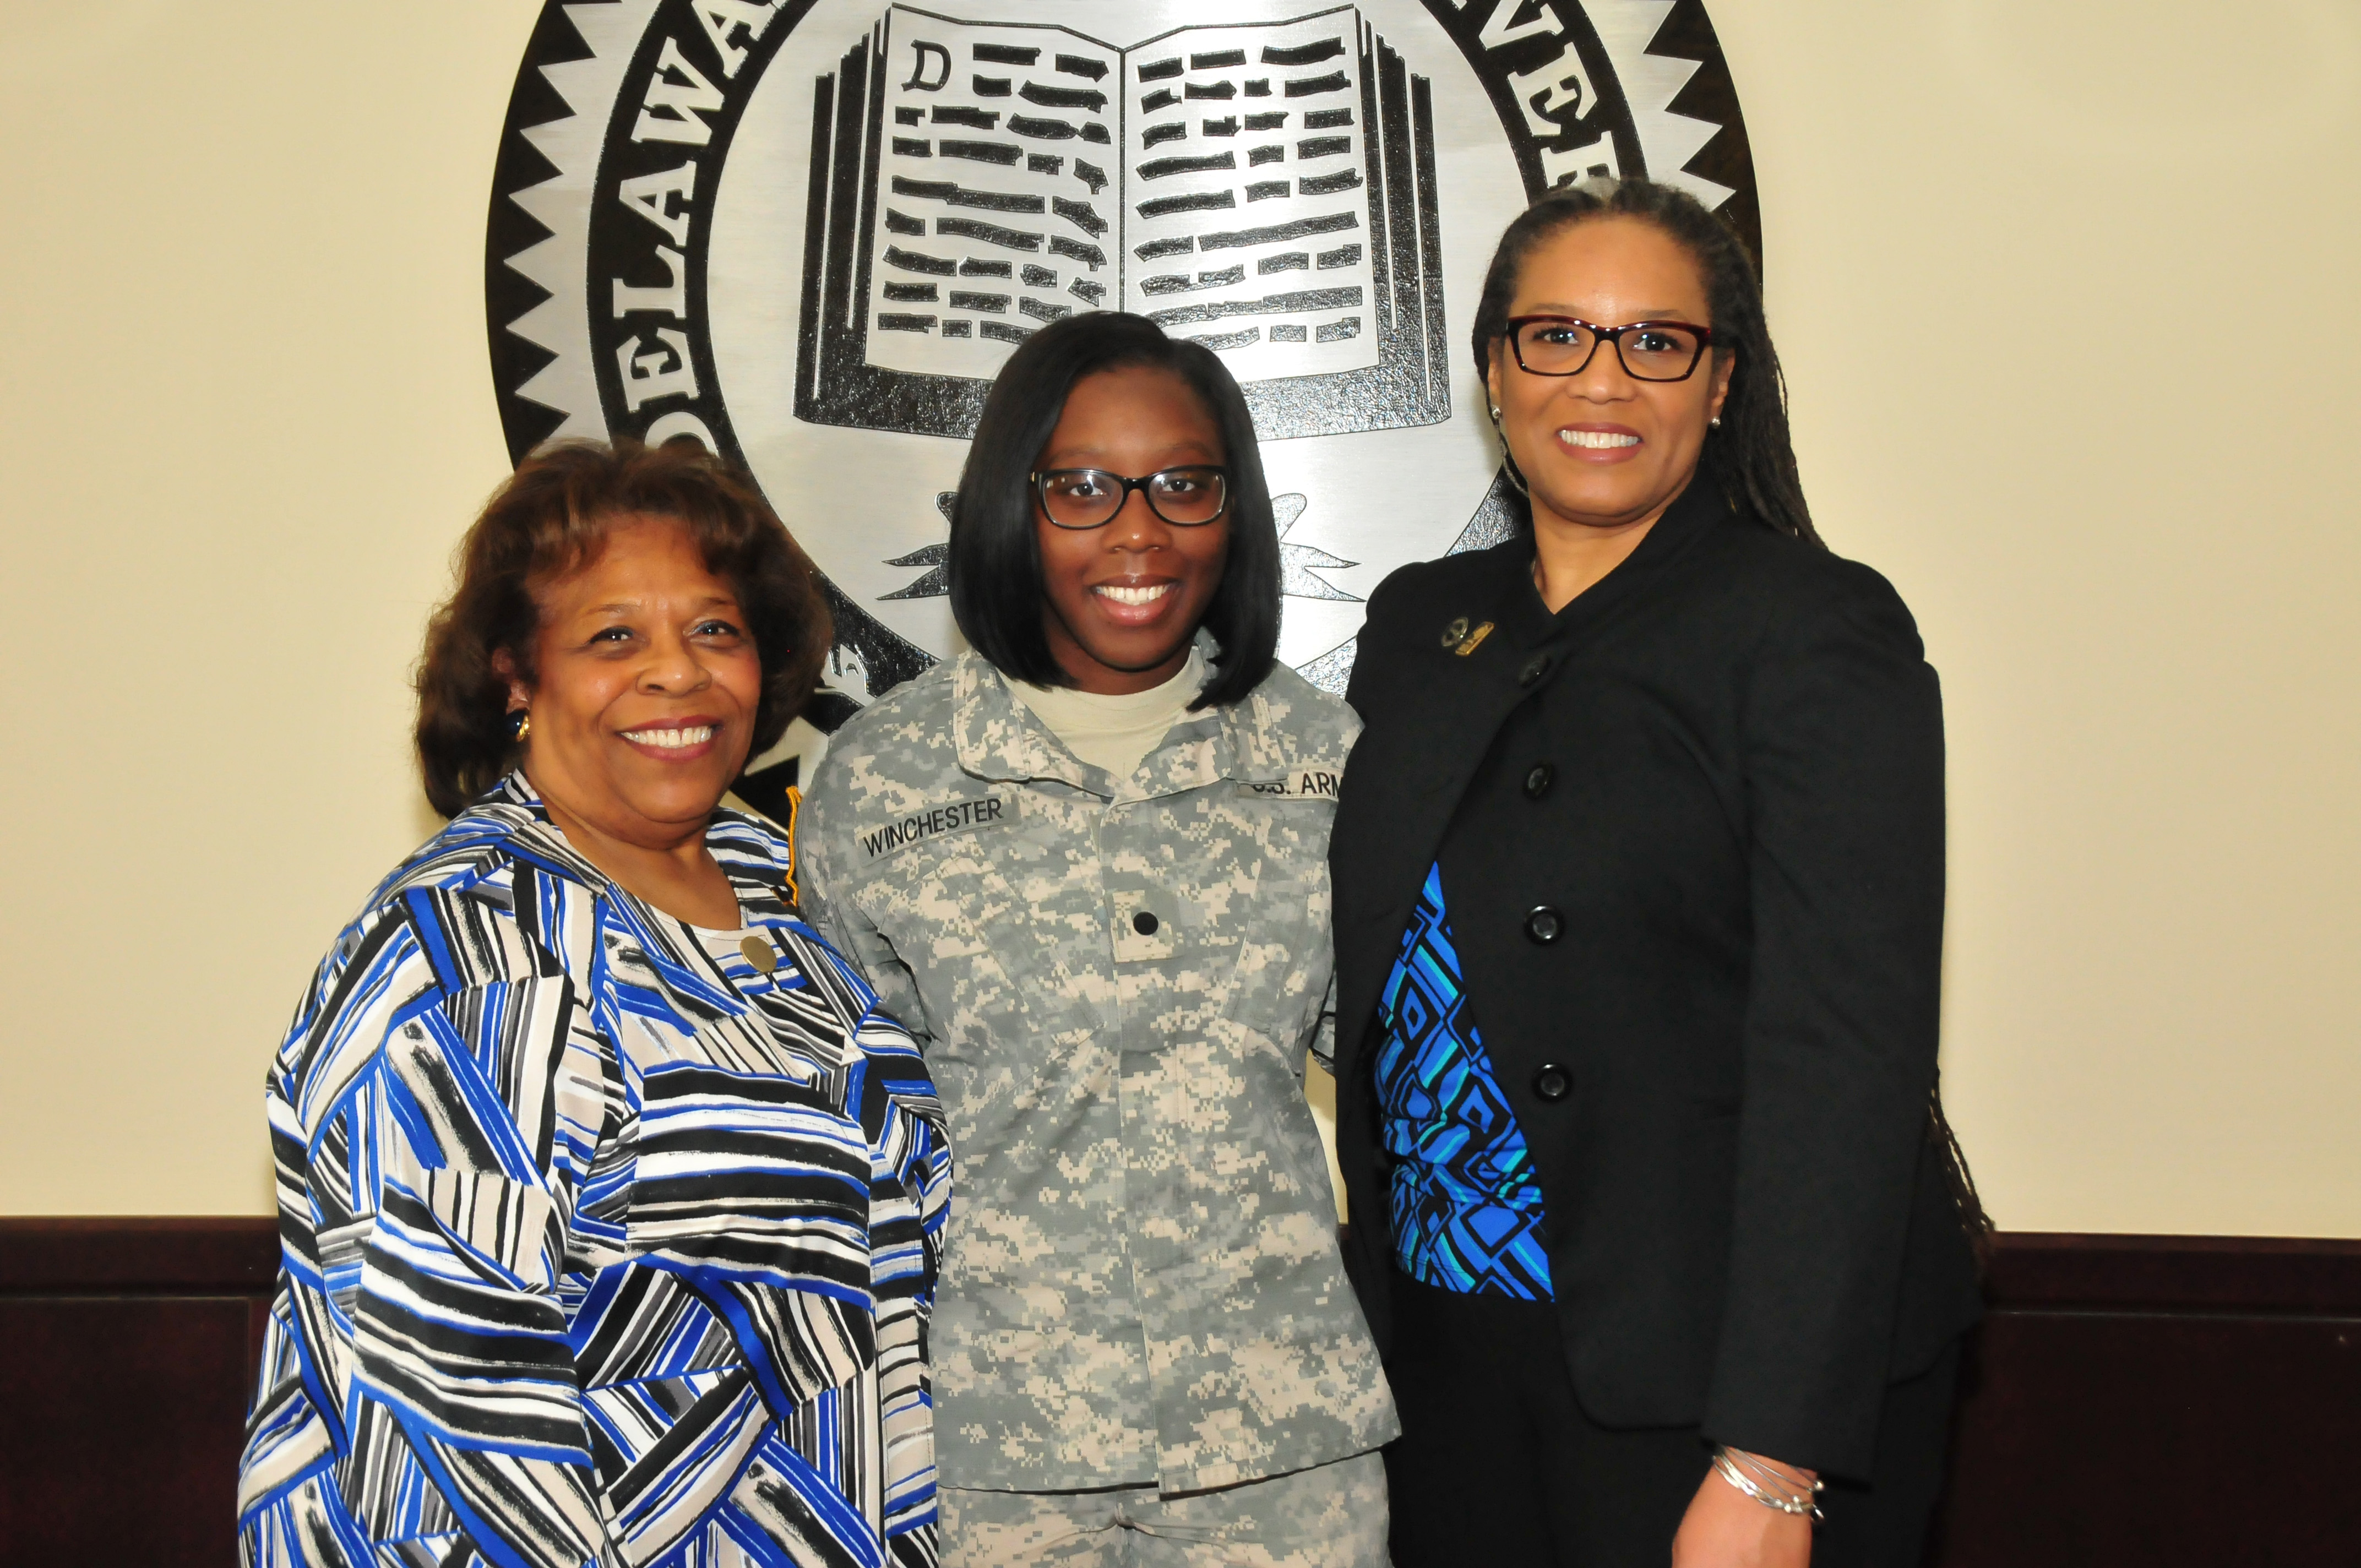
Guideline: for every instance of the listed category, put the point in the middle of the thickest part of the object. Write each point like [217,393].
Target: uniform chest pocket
[1285,966]
[1218,905]
[1290,818]
[991,925]
[1187,874]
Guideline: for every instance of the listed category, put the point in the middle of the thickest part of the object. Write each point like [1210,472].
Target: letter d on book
[920,51]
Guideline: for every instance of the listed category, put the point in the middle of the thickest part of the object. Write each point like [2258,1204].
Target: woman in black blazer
[1639,873]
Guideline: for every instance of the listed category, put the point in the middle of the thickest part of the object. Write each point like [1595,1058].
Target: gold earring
[520,724]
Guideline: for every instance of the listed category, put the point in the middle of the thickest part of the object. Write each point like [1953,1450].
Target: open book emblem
[807,236]
[1265,189]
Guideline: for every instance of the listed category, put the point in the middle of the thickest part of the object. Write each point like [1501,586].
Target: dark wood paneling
[127,1348]
[2096,1440]
[2157,1401]
[141,1254]
[2131,1401]
[120,1424]
[2034,1270]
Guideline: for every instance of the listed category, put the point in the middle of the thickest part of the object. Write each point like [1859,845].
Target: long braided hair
[1752,449]
[1754,454]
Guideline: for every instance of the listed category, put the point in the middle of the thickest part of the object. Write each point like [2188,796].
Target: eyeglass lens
[1085,497]
[1650,352]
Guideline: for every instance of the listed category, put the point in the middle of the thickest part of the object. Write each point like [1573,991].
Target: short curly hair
[551,517]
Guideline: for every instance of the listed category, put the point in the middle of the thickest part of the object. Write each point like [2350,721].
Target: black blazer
[1691,834]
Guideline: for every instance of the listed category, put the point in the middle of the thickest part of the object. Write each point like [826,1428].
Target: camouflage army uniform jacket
[1115,984]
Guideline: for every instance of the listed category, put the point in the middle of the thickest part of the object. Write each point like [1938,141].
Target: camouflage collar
[999,737]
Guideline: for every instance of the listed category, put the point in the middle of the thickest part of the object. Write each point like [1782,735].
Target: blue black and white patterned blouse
[1467,1210]
[606,1239]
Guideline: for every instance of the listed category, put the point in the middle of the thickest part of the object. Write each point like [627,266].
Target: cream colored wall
[2067,292]
[246,408]
[249,409]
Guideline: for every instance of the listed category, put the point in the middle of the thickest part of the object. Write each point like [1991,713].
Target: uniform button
[1456,633]
[1143,923]
[1537,782]
[1553,1082]
[1535,668]
[1545,924]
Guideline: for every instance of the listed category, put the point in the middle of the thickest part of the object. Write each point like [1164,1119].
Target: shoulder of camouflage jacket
[1312,720]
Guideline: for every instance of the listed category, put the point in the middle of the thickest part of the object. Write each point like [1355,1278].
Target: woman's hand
[1724,1527]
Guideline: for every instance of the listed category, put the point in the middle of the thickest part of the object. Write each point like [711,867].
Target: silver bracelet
[1766,1471]
[1727,1466]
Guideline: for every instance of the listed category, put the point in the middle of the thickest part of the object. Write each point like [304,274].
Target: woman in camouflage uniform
[1085,864]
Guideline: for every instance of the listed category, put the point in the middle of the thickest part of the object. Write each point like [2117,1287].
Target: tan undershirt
[1114,732]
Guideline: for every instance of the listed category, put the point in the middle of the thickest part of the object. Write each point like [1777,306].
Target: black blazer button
[1553,1082]
[1544,923]
[1537,782]
[1535,668]
[1143,923]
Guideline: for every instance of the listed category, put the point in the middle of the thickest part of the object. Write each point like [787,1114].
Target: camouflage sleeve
[840,921]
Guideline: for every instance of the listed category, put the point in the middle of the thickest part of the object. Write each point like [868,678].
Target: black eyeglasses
[1649,351]
[1089,497]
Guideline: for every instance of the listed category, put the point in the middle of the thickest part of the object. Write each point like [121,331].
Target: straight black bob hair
[996,553]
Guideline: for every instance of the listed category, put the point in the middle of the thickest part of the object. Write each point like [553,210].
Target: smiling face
[648,685]
[1601,449]
[1120,602]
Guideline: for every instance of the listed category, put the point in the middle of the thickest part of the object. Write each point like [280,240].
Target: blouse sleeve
[1844,774]
[909,1205]
[443,1124]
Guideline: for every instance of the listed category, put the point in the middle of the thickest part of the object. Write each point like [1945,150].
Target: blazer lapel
[1435,717]
[1441,707]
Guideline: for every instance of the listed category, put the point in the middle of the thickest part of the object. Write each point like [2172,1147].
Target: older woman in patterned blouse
[611,1203]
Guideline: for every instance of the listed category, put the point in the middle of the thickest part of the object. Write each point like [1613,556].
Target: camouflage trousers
[1331,1515]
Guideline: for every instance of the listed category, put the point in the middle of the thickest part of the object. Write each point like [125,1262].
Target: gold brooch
[1469,640]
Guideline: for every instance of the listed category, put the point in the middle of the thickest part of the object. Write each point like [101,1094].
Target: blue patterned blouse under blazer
[606,1239]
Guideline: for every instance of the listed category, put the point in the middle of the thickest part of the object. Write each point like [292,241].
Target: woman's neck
[681,877]
[1569,558]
